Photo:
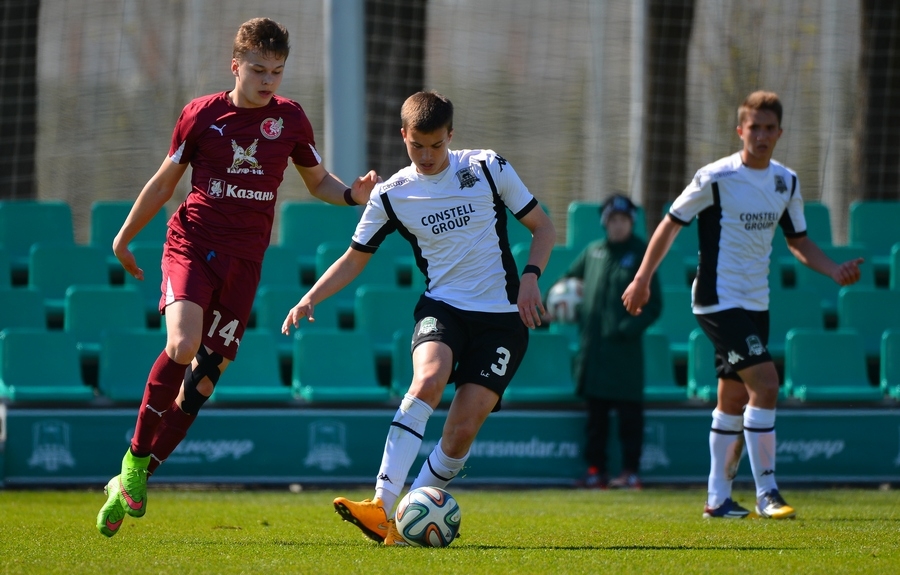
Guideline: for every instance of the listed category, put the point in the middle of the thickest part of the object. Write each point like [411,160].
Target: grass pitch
[503,532]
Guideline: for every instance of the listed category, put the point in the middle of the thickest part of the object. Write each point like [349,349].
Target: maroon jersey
[238,157]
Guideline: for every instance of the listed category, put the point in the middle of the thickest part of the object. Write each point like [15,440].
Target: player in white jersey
[472,321]
[738,200]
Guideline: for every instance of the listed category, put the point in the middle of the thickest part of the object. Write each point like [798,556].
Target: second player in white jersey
[459,235]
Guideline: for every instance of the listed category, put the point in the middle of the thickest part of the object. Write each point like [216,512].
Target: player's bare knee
[182,350]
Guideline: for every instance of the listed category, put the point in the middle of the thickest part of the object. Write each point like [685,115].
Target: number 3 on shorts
[227,332]
[500,367]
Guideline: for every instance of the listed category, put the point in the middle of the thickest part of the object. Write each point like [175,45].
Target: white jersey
[737,209]
[456,224]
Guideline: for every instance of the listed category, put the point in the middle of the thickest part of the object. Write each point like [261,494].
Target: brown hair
[263,36]
[427,112]
[760,100]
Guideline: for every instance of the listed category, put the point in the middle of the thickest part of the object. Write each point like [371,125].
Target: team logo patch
[271,128]
[780,185]
[755,346]
[216,188]
[242,155]
[467,177]
[428,325]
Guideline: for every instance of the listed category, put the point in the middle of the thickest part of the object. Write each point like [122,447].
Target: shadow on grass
[630,548]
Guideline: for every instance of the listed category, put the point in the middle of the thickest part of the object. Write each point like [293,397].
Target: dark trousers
[631,432]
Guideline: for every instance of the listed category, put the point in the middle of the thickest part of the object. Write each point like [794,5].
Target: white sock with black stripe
[401,448]
[438,469]
[725,431]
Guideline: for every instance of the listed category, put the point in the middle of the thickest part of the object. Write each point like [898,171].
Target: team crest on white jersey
[780,185]
[271,128]
[216,188]
[755,346]
[428,325]
[467,177]
[245,155]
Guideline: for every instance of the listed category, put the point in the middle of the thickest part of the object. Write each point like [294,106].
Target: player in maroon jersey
[237,144]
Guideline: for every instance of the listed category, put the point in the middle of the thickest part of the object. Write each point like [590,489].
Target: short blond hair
[760,100]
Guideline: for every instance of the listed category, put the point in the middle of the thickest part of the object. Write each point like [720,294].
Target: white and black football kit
[737,209]
[456,222]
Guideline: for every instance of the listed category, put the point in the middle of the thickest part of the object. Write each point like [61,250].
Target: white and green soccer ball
[428,517]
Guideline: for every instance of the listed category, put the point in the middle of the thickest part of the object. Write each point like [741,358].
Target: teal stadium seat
[254,376]
[516,232]
[380,310]
[659,373]
[279,268]
[560,259]
[336,366]
[827,366]
[5,269]
[402,367]
[671,271]
[107,217]
[21,307]
[272,306]
[818,229]
[825,287]
[57,379]
[869,311]
[572,331]
[687,243]
[379,271]
[789,309]
[890,363]
[149,259]
[24,223]
[676,321]
[54,267]
[702,381]
[873,225]
[126,356]
[583,224]
[895,267]
[91,310]
[545,375]
[305,225]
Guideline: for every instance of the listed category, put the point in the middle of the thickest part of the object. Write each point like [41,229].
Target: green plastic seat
[545,375]
[825,287]
[560,259]
[149,259]
[336,366]
[91,310]
[21,307]
[583,224]
[272,306]
[895,267]
[890,363]
[279,268]
[869,311]
[126,356]
[56,379]
[380,270]
[305,225]
[671,271]
[873,224]
[5,269]
[702,380]
[659,374]
[687,243]
[24,223]
[789,309]
[255,375]
[677,320]
[52,268]
[516,232]
[827,366]
[818,228]
[380,310]
[107,217]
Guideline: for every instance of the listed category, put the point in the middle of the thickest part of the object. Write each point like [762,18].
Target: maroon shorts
[224,286]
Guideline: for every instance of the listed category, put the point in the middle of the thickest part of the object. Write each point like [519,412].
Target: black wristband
[532,269]
[348,197]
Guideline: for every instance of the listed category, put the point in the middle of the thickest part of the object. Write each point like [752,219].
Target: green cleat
[112,513]
[133,489]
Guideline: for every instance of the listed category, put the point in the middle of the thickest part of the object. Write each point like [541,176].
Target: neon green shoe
[112,513]
[133,489]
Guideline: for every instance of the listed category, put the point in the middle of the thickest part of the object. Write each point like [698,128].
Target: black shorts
[487,347]
[740,337]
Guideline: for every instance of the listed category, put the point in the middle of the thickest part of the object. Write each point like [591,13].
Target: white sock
[438,469]
[725,431]
[759,431]
[401,448]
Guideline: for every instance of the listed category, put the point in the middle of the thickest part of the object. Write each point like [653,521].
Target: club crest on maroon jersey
[271,128]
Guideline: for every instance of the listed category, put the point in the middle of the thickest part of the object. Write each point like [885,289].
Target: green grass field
[503,531]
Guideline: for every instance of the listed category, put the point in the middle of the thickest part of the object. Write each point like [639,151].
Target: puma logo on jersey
[218,129]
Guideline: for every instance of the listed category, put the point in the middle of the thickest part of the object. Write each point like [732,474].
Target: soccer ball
[428,517]
[564,300]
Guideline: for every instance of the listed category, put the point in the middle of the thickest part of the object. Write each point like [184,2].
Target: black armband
[348,197]
[532,269]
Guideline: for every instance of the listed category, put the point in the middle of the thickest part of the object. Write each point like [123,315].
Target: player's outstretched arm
[637,294]
[543,232]
[156,192]
[336,277]
[812,256]
[325,186]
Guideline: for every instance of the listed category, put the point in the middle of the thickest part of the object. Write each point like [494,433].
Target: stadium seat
[788,309]
[545,375]
[24,223]
[149,259]
[583,224]
[254,376]
[516,232]
[560,259]
[702,381]
[272,306]
[379,311]
[825,287]
[54,267]
[107,217]
[22,308]
[305,225]
[279,268]
[91,310]
[818,228]
[335,366]
[55,379]
[402,368]
[873,225]
[126,356]
[379,271]
[659,375]
[671,271]
[677,320]
[827,366]
[890,363]
[687,243]
[572,331]
[895,267]
[869,311]
[5,269]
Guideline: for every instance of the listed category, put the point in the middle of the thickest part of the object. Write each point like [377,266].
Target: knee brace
[207,366]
